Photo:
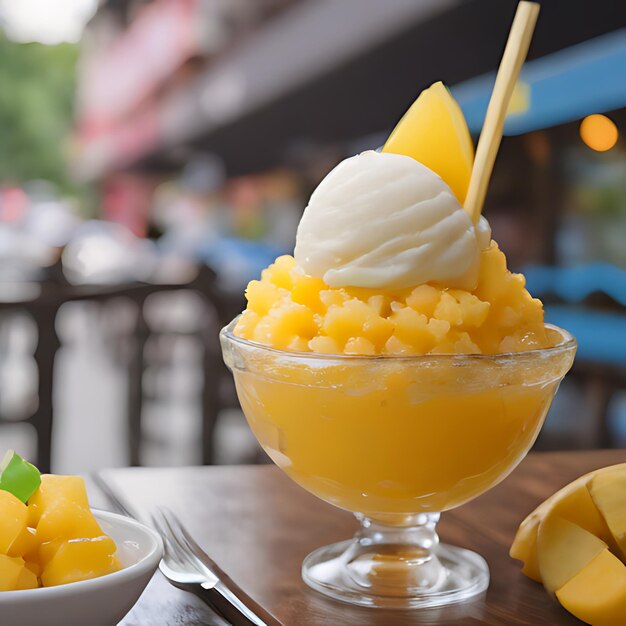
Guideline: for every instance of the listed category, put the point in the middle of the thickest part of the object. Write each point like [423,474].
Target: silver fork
[188,567]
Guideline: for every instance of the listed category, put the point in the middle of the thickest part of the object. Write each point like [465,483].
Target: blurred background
[155,155]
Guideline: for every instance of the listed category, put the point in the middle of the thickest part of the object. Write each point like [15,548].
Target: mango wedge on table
[575,543]
[597,594]
[607,491]
[434,132]
[573,503]
[564,549]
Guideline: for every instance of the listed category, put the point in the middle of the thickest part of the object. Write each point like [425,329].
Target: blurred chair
[590,302]
[43,304]
[152,329]
[39,302]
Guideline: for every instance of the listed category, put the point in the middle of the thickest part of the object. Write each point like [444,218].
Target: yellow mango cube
[27,580]
[306,290]
[25,543]
[284,324]
[439,329]
[262,296]
[398,347]
[13,514]
[67,520]
[462,344]
[34,567]
[412,328]
[359,346]
[346,321]
[449,310]
[248,322]
[280,272]
[324,345]
[597,594]
[424,299]
[495,282]
[298,344]
[53,488]
[81,559]
[380,305]
[10,571]
[473,310]
[289,310]
[334,297]
[377,330]
[46,552]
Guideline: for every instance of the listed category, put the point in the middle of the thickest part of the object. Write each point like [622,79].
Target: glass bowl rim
[568,343]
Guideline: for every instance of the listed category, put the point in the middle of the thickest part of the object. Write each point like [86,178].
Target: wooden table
[258,526]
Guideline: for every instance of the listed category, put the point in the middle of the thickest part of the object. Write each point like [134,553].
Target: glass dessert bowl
[396,440]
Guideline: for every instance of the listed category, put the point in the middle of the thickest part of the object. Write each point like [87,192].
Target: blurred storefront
[248,86]
[202,126]
[164,83]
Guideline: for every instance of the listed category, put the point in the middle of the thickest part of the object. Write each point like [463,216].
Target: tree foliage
[36,99]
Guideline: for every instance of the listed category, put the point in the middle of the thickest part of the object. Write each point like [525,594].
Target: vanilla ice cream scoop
[385,221]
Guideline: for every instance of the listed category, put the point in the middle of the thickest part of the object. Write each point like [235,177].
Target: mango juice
[385,436]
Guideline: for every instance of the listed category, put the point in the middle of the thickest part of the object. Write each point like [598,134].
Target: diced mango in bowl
[13,514]
[78,559]
[575,544]
[48,534]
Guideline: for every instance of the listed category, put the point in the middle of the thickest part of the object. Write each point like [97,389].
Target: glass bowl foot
[396,568]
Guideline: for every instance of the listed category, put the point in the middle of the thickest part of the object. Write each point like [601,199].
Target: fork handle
[237,607]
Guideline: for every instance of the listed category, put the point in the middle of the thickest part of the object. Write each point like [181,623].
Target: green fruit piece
[18,476]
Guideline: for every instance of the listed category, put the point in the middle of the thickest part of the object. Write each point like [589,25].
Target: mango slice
[608,492]
[434,132]
[18,476]
[597,594]
[573,503]
[81,559]
[573,543]
[13,513]
[564,549]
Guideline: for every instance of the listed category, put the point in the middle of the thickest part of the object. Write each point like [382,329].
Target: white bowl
[100,601]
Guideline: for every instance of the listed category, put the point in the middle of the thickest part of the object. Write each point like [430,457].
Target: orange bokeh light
[599,132]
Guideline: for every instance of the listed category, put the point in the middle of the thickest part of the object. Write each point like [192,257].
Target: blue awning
[574,284]
[564,86]
[601,334]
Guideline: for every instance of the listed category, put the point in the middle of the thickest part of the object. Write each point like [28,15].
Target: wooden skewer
[491,135]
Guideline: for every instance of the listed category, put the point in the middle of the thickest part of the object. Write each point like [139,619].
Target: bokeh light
[599,132]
